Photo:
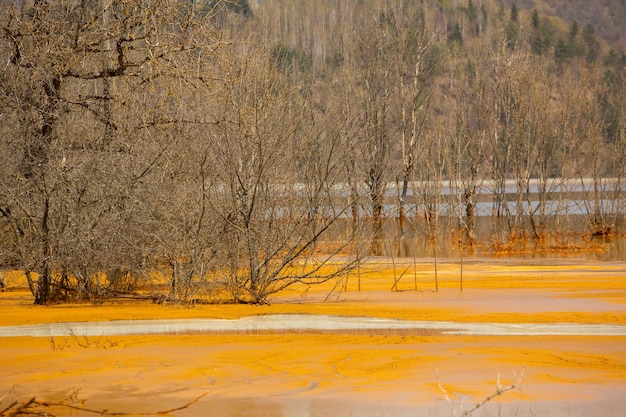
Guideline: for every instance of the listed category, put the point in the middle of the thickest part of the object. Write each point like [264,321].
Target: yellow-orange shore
[378,372]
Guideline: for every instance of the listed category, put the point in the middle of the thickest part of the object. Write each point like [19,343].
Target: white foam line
[303,323]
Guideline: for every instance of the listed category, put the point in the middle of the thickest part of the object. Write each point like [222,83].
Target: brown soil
[345,374]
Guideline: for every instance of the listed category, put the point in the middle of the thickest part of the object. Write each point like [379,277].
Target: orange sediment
[393,369]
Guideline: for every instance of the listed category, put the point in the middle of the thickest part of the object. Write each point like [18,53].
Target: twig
[184,406]
[444,391]
[397,279]
[22,409]
[499,391]
[25,410]
[3,412]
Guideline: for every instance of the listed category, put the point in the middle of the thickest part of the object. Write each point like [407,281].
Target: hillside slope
[607,16]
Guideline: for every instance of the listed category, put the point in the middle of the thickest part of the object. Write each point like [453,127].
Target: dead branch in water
[500,389]
[33,407]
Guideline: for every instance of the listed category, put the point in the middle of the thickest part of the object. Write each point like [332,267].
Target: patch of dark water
[307,323]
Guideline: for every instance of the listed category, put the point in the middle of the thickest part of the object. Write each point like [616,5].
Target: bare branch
[34,407]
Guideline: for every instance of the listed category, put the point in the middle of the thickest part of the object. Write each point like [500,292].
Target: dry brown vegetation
[238,151]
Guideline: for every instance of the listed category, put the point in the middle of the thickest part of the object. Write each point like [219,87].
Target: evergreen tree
[593,46]
[535,20]
[472,14]
[562,55]
[539,43]
[455,37]
[573,41]
[514,13]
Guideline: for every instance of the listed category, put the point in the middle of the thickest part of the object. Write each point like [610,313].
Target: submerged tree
[277,188]
[86,98]
[137,142]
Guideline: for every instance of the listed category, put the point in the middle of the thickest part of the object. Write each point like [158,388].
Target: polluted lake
[553,333]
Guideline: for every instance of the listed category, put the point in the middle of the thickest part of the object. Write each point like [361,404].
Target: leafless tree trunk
[73,72]
[277,170]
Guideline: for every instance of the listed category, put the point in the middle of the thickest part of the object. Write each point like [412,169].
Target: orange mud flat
[344,373]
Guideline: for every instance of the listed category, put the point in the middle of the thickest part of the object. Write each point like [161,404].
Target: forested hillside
[607,16]
[235,150]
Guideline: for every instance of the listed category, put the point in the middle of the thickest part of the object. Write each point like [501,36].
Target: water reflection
[554,218]
[298,323]
[414,238]
[304,407]
[309,407]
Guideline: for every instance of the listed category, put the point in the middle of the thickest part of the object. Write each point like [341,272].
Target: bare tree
[85,88]
[414,97]
[277,174]
[374,86]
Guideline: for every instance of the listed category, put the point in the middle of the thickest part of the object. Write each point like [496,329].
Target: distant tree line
[233,152]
